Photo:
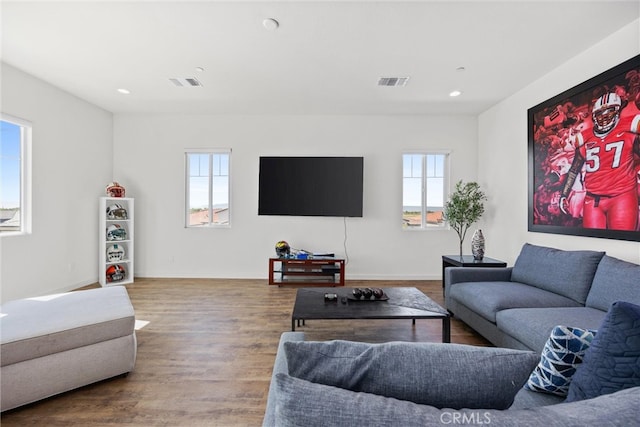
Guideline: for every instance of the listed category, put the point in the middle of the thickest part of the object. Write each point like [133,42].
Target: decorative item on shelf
[116,232]
[115,252]
[115,273]
[283,249]
[464,207]
[116,211]
[302,254]
[477,245]
[115,190]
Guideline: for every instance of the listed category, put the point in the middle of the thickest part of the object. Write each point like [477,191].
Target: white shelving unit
[126,261]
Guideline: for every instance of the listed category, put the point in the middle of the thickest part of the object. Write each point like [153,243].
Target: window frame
[26,135]
[424,225]
[211,152]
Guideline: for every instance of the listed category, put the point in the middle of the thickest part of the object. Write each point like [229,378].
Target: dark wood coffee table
[403,303]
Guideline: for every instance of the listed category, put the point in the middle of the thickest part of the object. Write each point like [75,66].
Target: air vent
[185,81]
[393,81]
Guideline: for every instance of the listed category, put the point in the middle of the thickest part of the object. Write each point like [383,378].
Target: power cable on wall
[344,243]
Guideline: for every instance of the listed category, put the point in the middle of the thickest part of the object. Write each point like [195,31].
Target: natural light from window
[207,188]
[15,142]
[423,189]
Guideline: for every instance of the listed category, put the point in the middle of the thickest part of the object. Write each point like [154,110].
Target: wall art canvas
[584,158]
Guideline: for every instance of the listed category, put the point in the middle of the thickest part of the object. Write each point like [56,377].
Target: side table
[468,261]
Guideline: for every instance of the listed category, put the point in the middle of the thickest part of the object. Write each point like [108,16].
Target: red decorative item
[115,273]
[115,190]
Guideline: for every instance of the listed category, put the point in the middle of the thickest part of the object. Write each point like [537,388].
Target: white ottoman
[56,343]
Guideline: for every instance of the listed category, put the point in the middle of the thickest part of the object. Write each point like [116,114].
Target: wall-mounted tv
[311,186]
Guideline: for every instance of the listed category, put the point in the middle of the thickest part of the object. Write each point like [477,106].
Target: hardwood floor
[205,358]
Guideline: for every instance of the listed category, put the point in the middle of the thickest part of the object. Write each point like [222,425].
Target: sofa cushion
[304,403]
[612,362]
[560,357]
[615,280]
[36,327]
[530,399]
[488,298]
[441,375]
[532,326]
[567,273]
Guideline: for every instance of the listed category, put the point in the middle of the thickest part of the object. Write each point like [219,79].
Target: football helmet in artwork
[115,253]
[116,211]
[115,273]
[115,190]
[606,113]
[116,232]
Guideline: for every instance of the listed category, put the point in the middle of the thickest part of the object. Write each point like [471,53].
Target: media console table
[318,271]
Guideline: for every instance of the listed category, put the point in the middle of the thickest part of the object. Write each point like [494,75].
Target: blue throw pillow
[561,355]
[612,362]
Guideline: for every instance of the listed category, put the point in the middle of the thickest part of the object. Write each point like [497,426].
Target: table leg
[293,324]
[444,267]
[446,330]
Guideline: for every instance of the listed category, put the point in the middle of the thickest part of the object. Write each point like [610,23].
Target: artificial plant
[464,207]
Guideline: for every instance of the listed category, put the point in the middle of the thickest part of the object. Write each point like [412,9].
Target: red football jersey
[609,162]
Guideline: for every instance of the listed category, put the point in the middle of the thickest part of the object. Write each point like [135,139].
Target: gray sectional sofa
[422,384]
[517,307]
[343,383]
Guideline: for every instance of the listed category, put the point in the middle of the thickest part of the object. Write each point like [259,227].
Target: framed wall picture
[584,158]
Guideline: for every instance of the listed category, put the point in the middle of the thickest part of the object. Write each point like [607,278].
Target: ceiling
[325,57]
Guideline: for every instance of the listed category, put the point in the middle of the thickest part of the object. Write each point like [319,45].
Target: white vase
[477,245]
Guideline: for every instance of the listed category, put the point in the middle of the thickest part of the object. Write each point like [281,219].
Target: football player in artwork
[606,151]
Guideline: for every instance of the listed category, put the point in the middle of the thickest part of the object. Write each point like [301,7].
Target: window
[207,201]
[15,176]
[423,189]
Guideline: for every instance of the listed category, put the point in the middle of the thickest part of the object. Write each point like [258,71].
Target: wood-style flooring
[206,356]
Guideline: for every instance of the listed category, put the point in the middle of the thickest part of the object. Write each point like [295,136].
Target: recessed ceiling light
[124,91]
[199,69]
[455,93]
[270,24]
[460,69]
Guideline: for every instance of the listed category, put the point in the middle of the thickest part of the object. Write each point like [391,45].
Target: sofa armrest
[279,366]
[453,275]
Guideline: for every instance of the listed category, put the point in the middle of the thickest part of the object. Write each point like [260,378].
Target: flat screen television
[311,186]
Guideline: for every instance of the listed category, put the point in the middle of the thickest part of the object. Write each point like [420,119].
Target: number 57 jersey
[609,160]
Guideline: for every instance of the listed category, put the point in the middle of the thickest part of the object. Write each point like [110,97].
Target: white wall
[503,154]
[149,161]
[77,146]
[72,163]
